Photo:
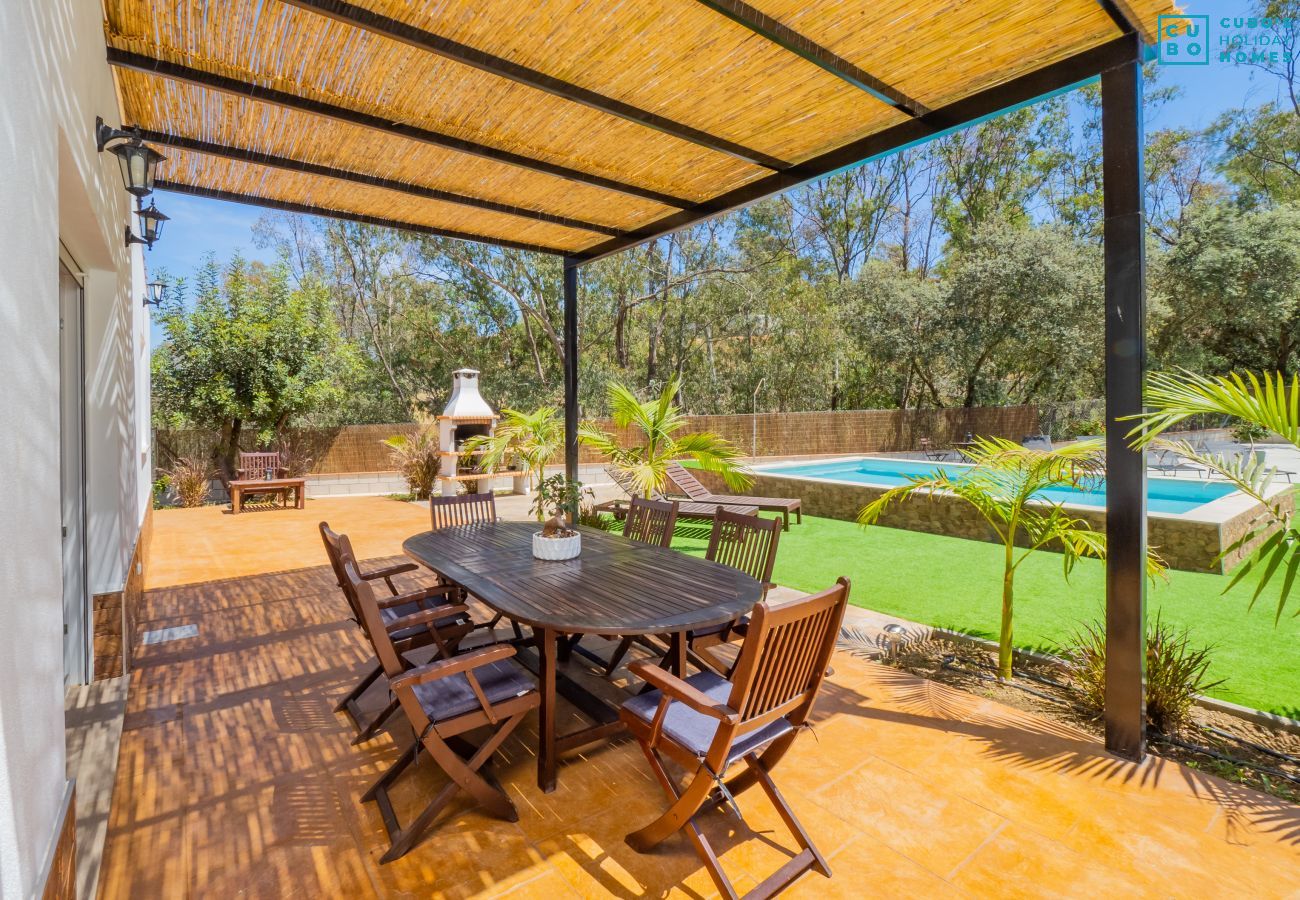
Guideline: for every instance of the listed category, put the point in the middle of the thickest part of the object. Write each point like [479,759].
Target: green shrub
[417,459]
[192,480]
[1176,672]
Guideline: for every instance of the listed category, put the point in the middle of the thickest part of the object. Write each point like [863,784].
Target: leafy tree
[251,353]
[1229,291]
[1005,487]
[657,423]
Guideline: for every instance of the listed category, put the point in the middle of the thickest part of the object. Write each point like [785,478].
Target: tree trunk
[1008,597]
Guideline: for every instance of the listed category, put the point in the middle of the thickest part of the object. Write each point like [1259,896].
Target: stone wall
[356,449]
[1183,543]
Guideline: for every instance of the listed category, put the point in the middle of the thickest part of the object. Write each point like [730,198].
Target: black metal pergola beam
[1120,15]
[358,17]
[305,209]
[180,72]
[1054,78]
[788,39]
[296,165]
[1124,232]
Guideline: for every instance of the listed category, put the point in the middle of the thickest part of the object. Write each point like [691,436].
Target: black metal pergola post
[1126,513]
[571,367]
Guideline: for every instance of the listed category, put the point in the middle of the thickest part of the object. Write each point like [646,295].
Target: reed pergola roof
[567,126]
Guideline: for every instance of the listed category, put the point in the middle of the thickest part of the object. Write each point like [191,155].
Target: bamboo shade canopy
[568,126]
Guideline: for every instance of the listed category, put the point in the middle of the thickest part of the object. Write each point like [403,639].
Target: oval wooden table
[616,587]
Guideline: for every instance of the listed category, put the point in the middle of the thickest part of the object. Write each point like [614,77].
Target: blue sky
[199,225]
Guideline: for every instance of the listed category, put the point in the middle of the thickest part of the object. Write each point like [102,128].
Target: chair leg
[464,776]
[818,862]
[356,692]
[687,825]
[617,657]
[686,804]
[376,724]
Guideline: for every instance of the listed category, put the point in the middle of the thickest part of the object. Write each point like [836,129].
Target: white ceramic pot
[556,548]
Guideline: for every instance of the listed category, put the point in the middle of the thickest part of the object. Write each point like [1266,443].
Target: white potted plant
[557,540]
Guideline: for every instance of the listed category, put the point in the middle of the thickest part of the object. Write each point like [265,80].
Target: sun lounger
[692,487]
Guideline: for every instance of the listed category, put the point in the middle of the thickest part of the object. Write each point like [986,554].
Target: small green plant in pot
[556,499]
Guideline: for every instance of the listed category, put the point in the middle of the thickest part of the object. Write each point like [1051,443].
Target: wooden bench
[280,487]
[263,472]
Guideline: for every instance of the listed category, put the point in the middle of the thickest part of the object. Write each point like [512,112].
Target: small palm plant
[533,438]
[657,423]
[1005,485]
[1263,404]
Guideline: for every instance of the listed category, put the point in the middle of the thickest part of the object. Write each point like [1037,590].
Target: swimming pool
[1164,495]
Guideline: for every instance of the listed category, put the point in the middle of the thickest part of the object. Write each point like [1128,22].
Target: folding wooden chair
[462,509]
[443,700]
[468,509]
[707,724]
[651,521]
[743,542]
[395,614]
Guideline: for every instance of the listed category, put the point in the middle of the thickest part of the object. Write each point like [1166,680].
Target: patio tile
[237,778]
[905,811]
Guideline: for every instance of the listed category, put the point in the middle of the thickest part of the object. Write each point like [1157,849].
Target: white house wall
[53,82]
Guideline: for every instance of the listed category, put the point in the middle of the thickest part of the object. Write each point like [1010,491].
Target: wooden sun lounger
[692,487]
[692,509]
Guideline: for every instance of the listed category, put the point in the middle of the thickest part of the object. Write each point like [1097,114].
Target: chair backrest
[339,550]
[256,465]
[783,660]
[690,485]
[463,509]
[651,521]
[372,621]
[745,542]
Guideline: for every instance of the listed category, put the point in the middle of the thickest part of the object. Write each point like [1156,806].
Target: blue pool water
[1164,495]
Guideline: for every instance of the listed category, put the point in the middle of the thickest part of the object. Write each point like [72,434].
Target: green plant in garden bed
[1263,404]
[1176,672]
[656,424]
[417,456]
[1003,486]
[531,438]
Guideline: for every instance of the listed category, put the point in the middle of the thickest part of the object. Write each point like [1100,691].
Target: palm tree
[657,422]
[1264,403]
[534,438]
[1004,486]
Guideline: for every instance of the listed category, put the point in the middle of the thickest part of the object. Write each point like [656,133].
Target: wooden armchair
[708,724]
[254,466]
[442,701]
[651,521]
[744,542]
[462,509]
[395,613]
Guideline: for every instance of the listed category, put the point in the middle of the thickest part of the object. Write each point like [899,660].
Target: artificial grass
[955,583]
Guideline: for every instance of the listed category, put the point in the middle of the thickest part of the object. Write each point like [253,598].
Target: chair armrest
[428,616]
[390,571]
[415,596]
[240,473]
[444,667]
[679,690]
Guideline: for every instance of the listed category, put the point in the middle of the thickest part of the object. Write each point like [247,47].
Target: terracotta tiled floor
[237,779]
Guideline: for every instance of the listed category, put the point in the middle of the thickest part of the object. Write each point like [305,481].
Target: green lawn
[955,583]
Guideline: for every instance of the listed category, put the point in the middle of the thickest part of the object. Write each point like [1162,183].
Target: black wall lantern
[138,160]
[151,225]
[155,293]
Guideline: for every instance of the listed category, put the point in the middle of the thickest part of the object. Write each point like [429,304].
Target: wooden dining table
[616,586]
